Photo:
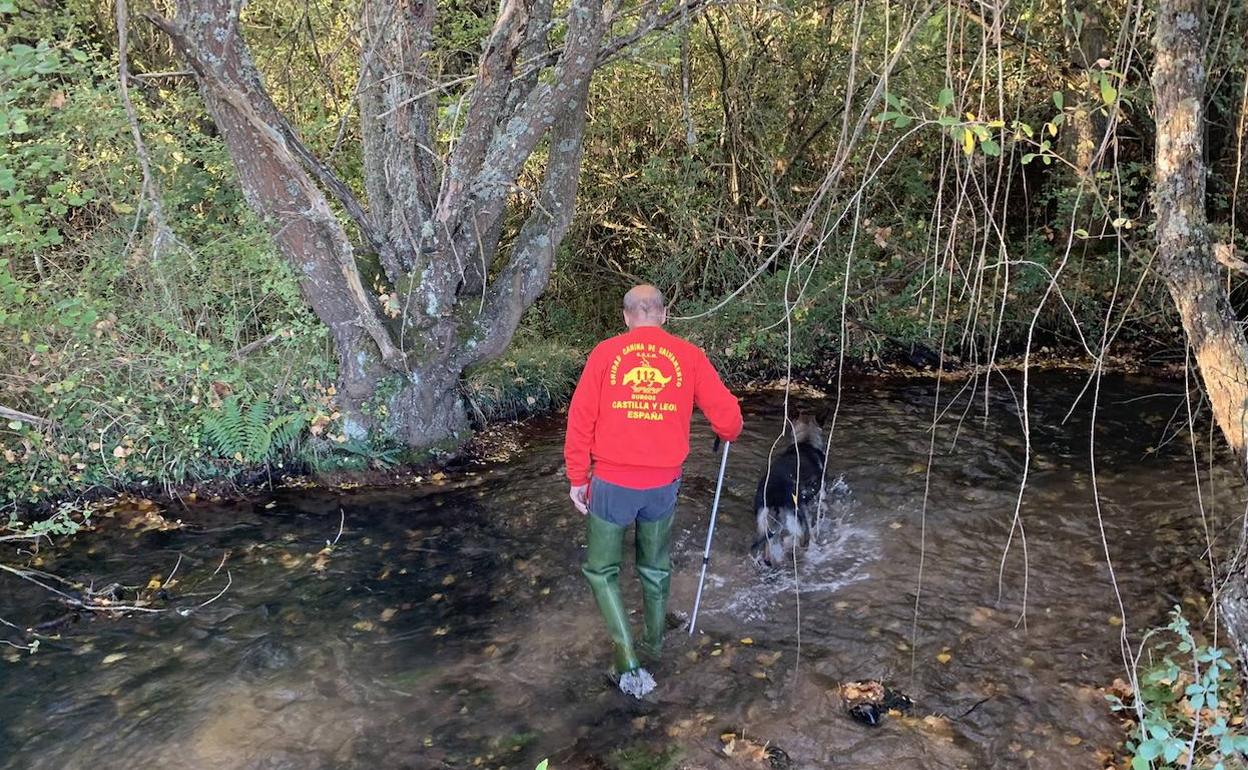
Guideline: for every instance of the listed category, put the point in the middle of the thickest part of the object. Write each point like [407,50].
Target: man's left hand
[580,497]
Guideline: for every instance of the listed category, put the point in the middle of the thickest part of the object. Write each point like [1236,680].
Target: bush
[1191,704]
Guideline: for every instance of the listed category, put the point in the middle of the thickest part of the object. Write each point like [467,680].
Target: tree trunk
[435,210]
[1185,257]
[1085,45]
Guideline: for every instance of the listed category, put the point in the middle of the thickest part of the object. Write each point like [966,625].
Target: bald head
[644,305]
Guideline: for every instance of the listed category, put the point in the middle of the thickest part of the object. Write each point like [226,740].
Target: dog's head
[806,430]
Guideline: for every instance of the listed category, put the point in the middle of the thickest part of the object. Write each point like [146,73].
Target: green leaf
[1081,233]
[1029,157]
[543,764]
[1058,99]
[1173,750]
[945,99]
[1108,92]
[991,147]
[902,121]
[948,121]
[1140,763]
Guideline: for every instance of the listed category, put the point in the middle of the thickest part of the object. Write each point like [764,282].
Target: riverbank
[533,381]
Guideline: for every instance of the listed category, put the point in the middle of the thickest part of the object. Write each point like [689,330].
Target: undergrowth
[1189,708]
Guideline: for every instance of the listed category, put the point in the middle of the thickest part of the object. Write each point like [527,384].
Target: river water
[449,626]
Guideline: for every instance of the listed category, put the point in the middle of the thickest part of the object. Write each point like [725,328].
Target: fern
[251,434]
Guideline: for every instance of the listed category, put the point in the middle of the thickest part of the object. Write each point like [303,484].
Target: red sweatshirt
[630,413]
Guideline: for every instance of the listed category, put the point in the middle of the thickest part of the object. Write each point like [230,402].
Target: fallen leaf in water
[747,640]
[1114,620]
[436,598]
[895,525]
[716,653]
[1028,662]
[448,580]
[388,614]
[944,657]
[917,468]
[692,656]
[111,659]
[758,674]
[490,651]
[768,659]
[841,605]
[639,724]
[154,584]
[1073,740]
[859,692]
[364,625]
[271,504]
[441,631]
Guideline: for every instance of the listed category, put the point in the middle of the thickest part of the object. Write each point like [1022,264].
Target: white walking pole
[710,532]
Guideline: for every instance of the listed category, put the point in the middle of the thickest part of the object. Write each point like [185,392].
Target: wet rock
[869,701]
[266,656]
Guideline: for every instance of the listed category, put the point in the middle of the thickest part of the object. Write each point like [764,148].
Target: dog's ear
[824,415]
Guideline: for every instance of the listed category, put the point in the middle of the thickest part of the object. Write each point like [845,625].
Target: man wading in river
[629,420]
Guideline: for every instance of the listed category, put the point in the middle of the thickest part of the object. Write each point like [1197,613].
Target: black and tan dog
[788,494]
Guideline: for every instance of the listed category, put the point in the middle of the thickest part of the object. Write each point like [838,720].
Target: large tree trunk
[433,220]
[1185,257]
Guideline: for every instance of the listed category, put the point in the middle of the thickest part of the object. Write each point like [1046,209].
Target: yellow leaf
[1114,620]
[364,625]
[388,614]
[944,657]
[441,631]
[968,142]
[111,659]
[154,584]
[1073,740]
[448,580]
[747,640]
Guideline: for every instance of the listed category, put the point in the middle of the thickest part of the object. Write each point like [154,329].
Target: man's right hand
[580,497]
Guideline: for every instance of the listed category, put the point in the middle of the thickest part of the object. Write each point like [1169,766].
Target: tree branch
[14,415]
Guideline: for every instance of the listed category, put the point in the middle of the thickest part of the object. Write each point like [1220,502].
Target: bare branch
[13,414]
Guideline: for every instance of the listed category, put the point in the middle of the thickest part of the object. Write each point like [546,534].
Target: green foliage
[251,434]
[534,377]
[644,758]
[121,352]
[1188,699]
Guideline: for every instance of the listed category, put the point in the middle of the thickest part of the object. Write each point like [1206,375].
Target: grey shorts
[622,505]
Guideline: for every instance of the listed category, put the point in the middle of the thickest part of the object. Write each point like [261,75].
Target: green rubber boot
[654,567]
[602,570]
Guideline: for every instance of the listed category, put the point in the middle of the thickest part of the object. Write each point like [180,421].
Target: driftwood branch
[1225,254]
[30,419]
[254,345]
